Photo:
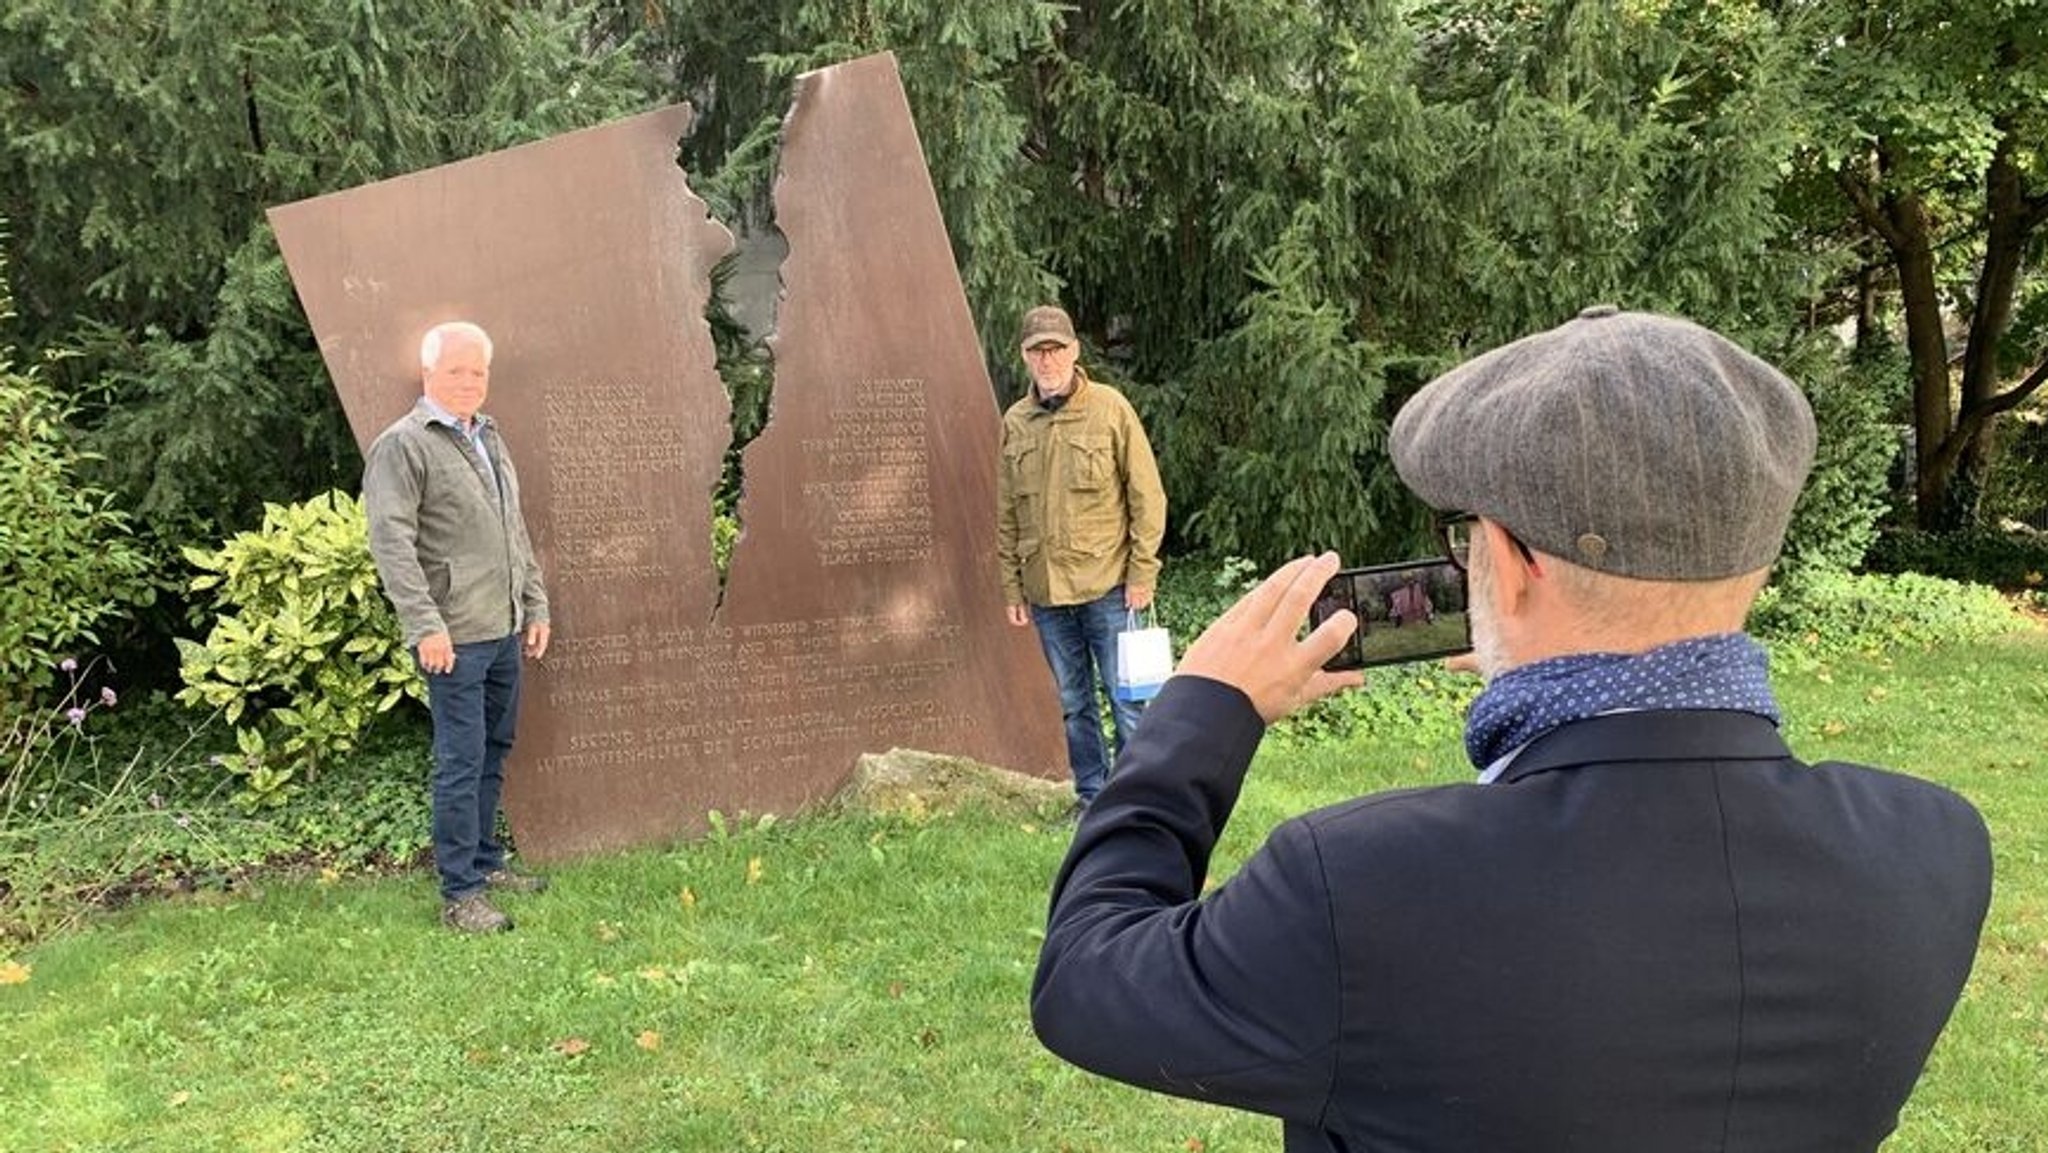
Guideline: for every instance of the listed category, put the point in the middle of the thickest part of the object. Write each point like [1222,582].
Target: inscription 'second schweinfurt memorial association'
[862,609]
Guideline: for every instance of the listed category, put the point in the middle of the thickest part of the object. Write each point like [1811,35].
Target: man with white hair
[1647,925]
[452,550]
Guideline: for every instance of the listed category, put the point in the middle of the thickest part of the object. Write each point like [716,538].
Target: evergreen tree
[140,143]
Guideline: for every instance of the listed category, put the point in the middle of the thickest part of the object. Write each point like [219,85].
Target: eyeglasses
[1456,529]
[1045,350]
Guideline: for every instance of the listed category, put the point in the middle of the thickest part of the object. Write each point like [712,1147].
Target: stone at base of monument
[911,783]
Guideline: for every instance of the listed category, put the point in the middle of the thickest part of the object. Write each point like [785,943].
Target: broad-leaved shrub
[305,652]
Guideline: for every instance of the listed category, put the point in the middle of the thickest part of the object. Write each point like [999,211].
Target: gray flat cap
[1644,446]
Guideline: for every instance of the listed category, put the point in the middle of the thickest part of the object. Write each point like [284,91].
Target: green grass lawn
[842,983]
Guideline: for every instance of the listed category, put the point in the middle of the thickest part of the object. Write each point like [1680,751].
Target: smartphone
[1406,612]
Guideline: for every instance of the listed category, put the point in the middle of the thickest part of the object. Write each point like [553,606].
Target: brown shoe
[507,881]
[474,914]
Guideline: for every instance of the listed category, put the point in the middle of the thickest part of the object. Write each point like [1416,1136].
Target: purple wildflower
[108,698]
[67,665]
[75,715]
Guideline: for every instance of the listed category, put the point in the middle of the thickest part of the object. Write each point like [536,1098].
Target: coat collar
[427,412]
[1076,399]
[1651,736]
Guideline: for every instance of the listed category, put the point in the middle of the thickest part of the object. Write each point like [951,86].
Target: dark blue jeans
[1080,645]
[474,706]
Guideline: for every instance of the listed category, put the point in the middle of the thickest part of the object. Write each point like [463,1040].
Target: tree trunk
[1965,454]
[1869,337]
[2005,244]
[1927,351]
[1901,221]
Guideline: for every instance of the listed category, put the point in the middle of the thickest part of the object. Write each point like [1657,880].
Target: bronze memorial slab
[862,609]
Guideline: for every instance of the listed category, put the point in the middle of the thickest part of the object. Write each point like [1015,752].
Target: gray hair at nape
[430,344]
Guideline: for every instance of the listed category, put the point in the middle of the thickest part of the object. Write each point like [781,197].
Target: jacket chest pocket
[1091,464]
[1025,466]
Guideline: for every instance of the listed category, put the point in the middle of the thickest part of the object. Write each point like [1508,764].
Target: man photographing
[1647,926]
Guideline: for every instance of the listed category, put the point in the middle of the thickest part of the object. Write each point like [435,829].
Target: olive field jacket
[1079,506]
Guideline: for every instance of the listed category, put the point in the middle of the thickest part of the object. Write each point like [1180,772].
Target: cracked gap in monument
[741,309]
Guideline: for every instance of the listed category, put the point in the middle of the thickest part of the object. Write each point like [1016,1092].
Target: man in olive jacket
[452,550]
[1647,927]
[1079,517]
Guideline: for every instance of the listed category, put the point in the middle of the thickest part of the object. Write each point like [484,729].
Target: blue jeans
[474,706]
[1080,644]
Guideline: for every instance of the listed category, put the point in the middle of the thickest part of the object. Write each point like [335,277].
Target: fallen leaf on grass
[571,1046]
[689,897]
[1833,729]
[13,973]
[179,1098]
[648,1040]
[753,870]
[607,931]
[654,973]
[1196,1145]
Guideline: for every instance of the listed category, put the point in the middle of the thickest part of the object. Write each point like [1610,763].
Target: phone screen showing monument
[1406,612]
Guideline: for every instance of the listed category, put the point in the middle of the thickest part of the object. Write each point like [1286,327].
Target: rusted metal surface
[862,611]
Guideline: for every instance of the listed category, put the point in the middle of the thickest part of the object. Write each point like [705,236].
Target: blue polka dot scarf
[1728,671]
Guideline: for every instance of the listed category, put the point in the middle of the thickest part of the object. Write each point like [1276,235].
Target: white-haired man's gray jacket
[450,543]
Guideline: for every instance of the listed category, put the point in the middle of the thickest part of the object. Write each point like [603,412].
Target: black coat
[1659,932]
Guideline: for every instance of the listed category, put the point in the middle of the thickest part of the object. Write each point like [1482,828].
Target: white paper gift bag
[1144,659]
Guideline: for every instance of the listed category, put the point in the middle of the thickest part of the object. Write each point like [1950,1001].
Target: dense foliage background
[1272,219]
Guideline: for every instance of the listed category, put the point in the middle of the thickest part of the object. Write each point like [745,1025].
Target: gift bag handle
[1136,619]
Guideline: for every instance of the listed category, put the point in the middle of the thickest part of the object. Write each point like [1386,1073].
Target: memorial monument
[861,610]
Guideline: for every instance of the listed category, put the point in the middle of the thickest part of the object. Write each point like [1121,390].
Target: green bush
[1815,614]
[1836,518]
[1416,706]
[305,652]
[68,558]
[129,805]
[725,532]
[1195,590]
[2018,485]
[2009,560]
